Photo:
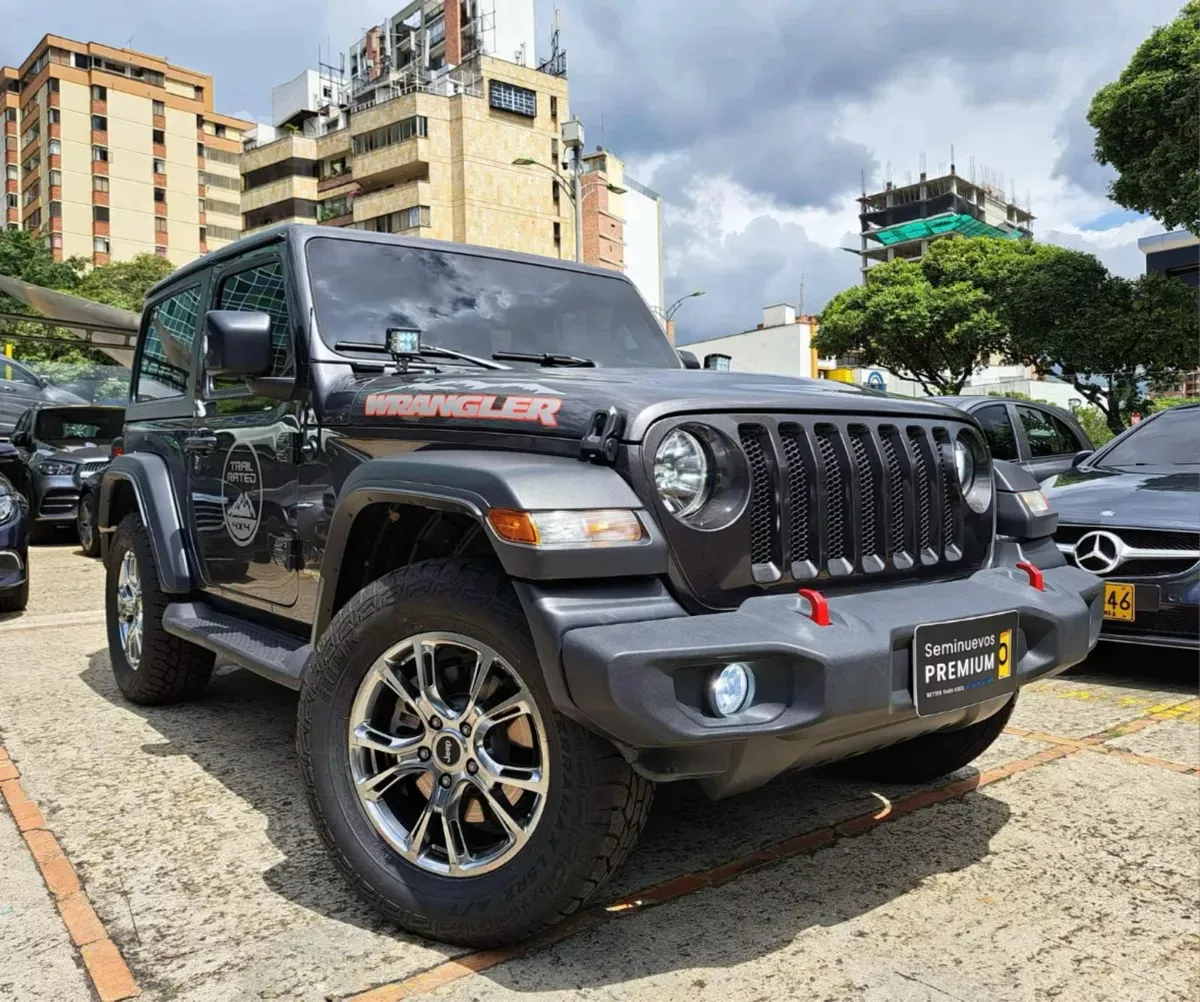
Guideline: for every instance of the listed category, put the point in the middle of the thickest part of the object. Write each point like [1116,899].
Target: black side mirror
[1079,457]
[690,361]
[237,343]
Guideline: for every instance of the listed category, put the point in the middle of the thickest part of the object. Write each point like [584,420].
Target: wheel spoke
[387,675]
[521,777]
[366,736]
[479,676]
[515,832]
[373,787]
[430,697]
[450,830]
[416,837]
[508,710]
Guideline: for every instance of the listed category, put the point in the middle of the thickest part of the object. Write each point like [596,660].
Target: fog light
[730,689]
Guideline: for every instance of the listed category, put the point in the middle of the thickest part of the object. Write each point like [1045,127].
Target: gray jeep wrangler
[522,564]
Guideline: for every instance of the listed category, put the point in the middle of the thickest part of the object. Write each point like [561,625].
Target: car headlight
[8,508]
[52,468]
[682,473]
[974,471]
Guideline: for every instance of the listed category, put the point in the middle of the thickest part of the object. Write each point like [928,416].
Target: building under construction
[901,221]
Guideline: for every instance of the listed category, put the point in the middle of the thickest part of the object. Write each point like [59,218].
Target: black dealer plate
[963,662]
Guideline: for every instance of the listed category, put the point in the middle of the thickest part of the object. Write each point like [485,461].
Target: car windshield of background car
[480,305]
[1173,439]
[77,427]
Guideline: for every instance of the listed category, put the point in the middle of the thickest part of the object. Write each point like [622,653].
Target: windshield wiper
[430,350]
[569,361]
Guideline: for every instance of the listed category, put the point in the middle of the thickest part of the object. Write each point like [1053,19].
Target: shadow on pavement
[1133,666]
[242,733]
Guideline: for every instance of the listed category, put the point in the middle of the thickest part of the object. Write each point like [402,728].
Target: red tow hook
[818,608]
[1034,575]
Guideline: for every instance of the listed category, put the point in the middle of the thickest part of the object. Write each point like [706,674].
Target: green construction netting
[936,226]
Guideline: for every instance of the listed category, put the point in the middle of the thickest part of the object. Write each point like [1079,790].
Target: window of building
[998,430]
[99,93]
[397,222]
[558,234]
[509,97]
[99,123]
[554,152]
[30,134]
[12,200]
[398,132]
[52,85]
[201,202]
[32,163]
[160,251]
[218,156]
[166,356]
[158,137]
[34,220]
[56,241]
[219,130]
[100,245]
[80,61]
[160,225]
[554,190]
[11,172]
[100,213]
[198,92]
[160,194]
[293,167]
[30,196]
[225,208]
[100,153]
[99,183]
[203,235]
[262,290]
[55,178]
[554,116]
[56,210]
[223,232]
[158,108]
[54,116]
[54,148]
[160,166]
[10,114]
[199,149]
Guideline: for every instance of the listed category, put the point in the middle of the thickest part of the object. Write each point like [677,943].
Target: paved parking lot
[1065,865]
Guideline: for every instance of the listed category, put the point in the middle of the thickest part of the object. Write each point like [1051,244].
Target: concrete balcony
[399,163]
[380,203]
[279,191]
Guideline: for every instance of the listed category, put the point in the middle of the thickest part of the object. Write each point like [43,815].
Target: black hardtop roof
[51,406]
[301,233]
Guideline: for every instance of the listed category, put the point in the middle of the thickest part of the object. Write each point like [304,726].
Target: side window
[998,430]
[260,289]
[166,357]
[1070,440]
[16,374]
[1042,435]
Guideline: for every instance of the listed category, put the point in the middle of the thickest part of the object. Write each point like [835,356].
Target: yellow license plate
[1118,601]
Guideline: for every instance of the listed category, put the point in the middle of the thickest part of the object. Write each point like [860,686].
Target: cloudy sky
[756,121]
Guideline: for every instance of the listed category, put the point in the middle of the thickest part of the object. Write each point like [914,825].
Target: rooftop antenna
[922,165]
[862,180]
[800,304]
[951,158]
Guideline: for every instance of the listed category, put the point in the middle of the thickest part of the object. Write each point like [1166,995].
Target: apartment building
[110,153]
[421,135]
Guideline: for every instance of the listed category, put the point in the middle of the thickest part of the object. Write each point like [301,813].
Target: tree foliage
[123,284]
[1147,124]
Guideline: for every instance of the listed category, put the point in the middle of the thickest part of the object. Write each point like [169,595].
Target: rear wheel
[150,665]
[85,525]
[453,796]
[932,755]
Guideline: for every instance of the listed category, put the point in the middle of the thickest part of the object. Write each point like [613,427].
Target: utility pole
[572,133]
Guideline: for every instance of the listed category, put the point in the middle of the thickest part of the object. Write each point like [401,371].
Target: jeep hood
[562,402]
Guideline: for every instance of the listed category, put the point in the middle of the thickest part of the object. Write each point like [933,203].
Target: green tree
[938,334]
[1094,424]
[1110,337]
[1147,124]
[124,283]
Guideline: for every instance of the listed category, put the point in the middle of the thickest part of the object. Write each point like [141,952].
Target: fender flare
[472,482]
[150,479]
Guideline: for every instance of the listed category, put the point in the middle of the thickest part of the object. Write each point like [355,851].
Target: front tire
[85,526]
[452,795]
[931,756]
[16,599]
[151,666]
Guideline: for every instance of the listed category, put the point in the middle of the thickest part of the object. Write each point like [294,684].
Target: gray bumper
[846,686]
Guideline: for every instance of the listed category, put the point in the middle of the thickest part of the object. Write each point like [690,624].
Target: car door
[1048,452]
[20,389]
[999,431]
[244,452]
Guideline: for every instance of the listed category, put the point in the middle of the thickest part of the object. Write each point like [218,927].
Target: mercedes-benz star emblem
[1099,552]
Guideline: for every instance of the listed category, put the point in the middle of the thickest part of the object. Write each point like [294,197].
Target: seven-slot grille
[847,497]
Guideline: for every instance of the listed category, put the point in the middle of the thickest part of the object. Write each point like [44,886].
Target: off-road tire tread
[480,583]
[931,756]
[172,670]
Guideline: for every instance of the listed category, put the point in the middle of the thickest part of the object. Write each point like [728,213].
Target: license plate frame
[961,648]
[1118,592]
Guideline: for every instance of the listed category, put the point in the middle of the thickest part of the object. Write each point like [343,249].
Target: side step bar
[273,654]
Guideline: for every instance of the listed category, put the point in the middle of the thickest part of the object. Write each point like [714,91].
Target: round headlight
[730,689]
[964,464]
[682,473]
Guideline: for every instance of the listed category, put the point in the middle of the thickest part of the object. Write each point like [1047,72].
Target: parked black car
[56,442]
[1040,437]
[22,388]
[1131,514]
[14,546]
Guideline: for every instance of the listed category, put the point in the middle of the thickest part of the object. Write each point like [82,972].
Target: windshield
[1171,439]
[79,426]
[480,305]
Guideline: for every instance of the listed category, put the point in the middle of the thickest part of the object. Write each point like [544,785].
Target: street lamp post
[670,311]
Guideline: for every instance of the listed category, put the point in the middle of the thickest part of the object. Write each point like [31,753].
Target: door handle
[200,442]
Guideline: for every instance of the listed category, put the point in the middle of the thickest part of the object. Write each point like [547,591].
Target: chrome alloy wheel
[448,754]
[129,609]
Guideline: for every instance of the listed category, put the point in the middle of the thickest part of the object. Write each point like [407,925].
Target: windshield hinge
[603,436]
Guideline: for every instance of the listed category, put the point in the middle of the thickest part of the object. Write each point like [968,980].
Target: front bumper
[1167,613]
[826,692]
[55,500]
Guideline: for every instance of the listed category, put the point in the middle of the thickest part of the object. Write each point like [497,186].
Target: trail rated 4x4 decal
[241,478]
[469,406]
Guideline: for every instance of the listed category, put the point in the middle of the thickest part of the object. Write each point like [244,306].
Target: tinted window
[1042,435]
[1067,435]
[480,305]
[16,374]
[79,425]
[261,290]
[170,337]
[1172,439]
[998,429]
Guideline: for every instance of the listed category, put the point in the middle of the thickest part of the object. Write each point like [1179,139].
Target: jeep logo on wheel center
[447,751]
[242,479]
